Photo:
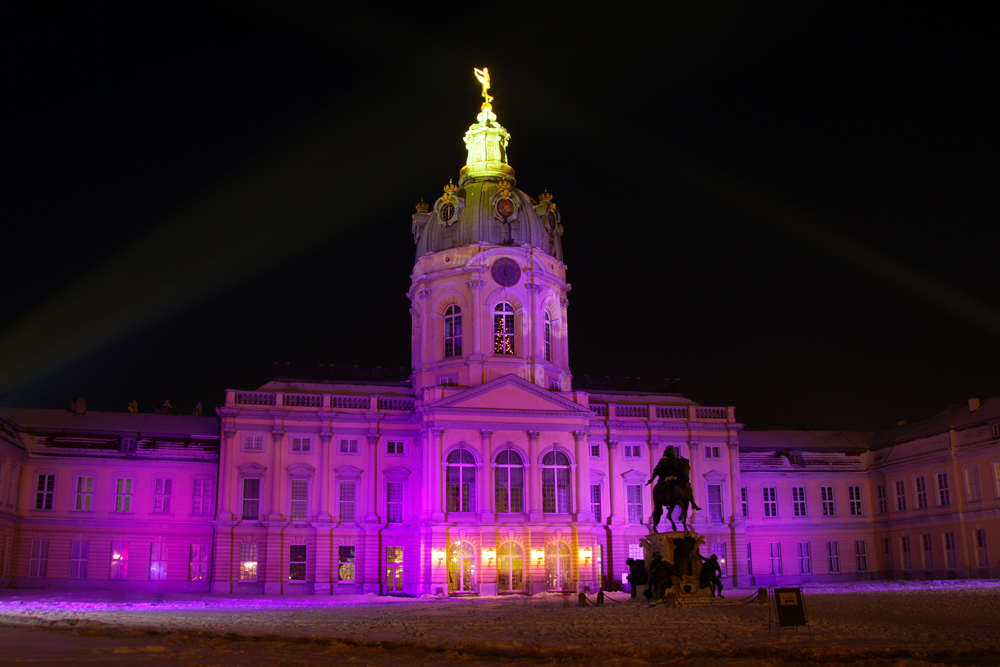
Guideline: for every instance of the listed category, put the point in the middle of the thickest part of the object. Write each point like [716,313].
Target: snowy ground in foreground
[876,621]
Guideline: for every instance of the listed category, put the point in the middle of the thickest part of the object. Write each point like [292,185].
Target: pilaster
[581,440]
[535,485]
[488,513]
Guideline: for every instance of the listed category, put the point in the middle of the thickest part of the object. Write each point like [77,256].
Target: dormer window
[128,444]
[503,328]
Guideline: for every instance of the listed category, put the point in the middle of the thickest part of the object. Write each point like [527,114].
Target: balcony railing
[277,399]
[686,412]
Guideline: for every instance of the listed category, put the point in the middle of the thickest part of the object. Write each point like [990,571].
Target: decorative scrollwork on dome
[449,206]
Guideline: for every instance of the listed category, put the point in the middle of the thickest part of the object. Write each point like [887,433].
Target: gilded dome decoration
[449,205]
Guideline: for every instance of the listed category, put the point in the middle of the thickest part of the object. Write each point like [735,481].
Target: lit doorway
[557,566]
[510,568]
[461,568]
[394,569]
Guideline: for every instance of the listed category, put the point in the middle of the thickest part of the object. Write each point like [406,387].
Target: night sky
[790,207]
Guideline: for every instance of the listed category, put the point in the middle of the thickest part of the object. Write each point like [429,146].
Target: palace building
[488,468]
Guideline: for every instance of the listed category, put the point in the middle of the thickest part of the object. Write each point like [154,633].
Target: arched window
[510,567]
[555,483]
[557,566]
[509,482]
[548,336]
[453,331]
[461,568]
[461,481]
[503,328]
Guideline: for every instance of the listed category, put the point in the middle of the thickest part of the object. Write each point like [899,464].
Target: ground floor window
[984,560]
[557,566]
[832,557]
[394,569]
[79,555]
[861,555]
[775,557]
[248,562]
[907,558]
[719,550]
[345,563]
[38,564]
[119,560]
[510,567]
[805,558]
[928,552]
[157,561]
[296,562]
[461,568]
[949,549]
[198,564]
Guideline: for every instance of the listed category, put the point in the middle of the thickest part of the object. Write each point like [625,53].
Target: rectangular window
[595,501]
[548,337]
[633,495]
[595,451]
[805,558]
[749,559]
[633,452]
[826,496]
[395,447]
[296,562]
[348,501]
[996,430]
[832,557]
[248,562]
[928,551]
[770,501]
[503,329]
[123,494]
[157,561]
[715,514]
[981,554]
[887,547]
[253,443]
[348,446]
[301,444]
[44,491]
[38,564]
[719,550]
[251,499]
[775,548]
[447,380]
[904,545]
[300,500]
[799,500]
[944,495]
[394,502]
[198,563]
[712,452]
[883,501]
[901,496]
[162,491]
[84,493]
[921,492]
[745,501]
[119,560]
[201,502]
[636,551]
[79,555]
[345,563]
[972,484]
[854,498]
[949,549]
[861,555]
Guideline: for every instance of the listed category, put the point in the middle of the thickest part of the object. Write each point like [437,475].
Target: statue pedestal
[682,551]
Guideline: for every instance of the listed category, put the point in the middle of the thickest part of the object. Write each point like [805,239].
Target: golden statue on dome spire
[484,78]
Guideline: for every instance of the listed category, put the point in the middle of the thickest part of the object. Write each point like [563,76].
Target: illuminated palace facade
[487,470]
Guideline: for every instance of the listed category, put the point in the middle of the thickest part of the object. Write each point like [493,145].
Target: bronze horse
[670,496]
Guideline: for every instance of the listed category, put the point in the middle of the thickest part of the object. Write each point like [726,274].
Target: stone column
[535,486]
[614,517]
[476,287]
[323,479]
[425,476]
[373,479]
[225,481]
[582,442]
[425,319]
[488,511]
[436,459]
[736,518]
[275,514]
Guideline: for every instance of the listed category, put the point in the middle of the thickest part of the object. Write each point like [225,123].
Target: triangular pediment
[511,393]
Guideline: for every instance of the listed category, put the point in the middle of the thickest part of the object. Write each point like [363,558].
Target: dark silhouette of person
[637,575]
[661,578]
[711,574]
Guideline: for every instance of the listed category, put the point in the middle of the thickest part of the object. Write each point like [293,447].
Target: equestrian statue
[672,489]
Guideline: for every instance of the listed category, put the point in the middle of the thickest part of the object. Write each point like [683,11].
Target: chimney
[78,406]
[973,404]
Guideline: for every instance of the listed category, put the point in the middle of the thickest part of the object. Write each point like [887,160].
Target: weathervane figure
[484,78]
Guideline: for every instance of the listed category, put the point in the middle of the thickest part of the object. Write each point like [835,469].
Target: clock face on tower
[505,272]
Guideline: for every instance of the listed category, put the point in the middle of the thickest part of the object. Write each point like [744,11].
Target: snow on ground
[880,622]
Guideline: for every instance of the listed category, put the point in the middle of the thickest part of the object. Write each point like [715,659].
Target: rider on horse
[675,476]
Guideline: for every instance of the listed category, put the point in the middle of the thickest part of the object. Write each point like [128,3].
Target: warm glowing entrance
[394,569]
[461,568]
[510,567]
[557,566]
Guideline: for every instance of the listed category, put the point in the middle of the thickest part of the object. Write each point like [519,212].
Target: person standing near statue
[711,574]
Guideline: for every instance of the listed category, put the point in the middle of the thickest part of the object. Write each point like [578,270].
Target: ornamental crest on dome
[506,205]
[449,206]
